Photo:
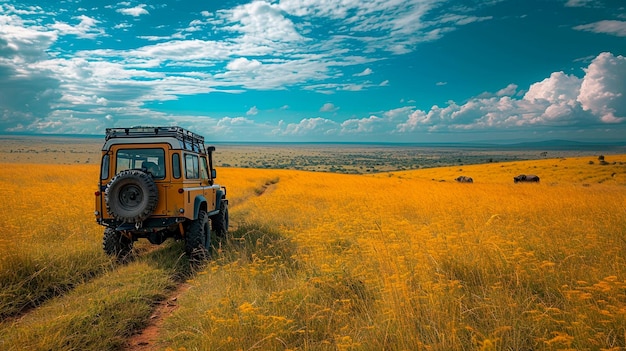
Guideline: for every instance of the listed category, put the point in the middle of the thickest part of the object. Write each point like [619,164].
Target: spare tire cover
[131,196]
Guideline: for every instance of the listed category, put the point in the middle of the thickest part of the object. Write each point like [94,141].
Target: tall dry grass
[50,241]
[319,261]
[405,261]
[103,313]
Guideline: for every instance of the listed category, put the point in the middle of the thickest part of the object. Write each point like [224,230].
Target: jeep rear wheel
[198,238]
[219,222]
[131,196]
[117,245]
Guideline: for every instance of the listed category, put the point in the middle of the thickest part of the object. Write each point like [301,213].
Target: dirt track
[147,339]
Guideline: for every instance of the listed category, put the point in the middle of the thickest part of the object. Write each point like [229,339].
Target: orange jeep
[158,183]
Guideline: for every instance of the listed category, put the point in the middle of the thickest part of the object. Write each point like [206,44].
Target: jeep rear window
[152,160]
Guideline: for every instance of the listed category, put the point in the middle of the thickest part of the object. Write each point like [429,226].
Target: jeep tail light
[98,193]
[181,190]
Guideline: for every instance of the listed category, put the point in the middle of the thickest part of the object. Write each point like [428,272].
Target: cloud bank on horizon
[330,70]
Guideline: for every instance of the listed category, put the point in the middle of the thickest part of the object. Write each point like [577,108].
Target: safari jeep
[158,183]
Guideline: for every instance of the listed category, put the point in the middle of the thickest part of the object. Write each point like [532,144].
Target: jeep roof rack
[190,140]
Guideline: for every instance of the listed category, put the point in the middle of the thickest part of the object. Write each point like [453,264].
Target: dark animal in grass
[530,178]
[464,179]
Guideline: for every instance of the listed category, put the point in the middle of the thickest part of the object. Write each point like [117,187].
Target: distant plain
[319,157]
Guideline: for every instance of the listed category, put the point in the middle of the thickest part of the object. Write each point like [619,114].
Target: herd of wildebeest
[530,178]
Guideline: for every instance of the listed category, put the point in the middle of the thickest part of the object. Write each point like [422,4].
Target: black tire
[117,245]
[219,222]
[131,196]
[198,238]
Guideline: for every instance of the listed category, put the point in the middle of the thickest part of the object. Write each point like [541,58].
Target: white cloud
[60,125]
[398,114]
[362,126]
[352,87]
[366,72]
[331,88]
[134,11]
[85,100]
[510,90]
[22,11]
[558,88]
[460,19]
[582,3]
[328,107]
[177,51]
[243,64]
[123,26]
[22,42]
[613,27]
[252,111]
[391,26]
[261,21]
[87,28]
[311,127]
[236,121]
[603,88]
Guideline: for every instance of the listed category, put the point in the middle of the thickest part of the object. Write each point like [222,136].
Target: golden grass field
[406,260]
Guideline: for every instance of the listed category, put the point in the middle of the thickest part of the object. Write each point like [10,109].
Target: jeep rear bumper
[147,226]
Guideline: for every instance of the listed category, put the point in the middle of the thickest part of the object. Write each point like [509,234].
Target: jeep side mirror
[213,173]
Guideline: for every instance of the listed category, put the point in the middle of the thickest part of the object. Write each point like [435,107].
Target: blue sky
[325,70]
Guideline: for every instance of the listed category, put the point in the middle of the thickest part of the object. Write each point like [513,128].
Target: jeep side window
[104,171]
[204,173]
[191,166]
[176,166]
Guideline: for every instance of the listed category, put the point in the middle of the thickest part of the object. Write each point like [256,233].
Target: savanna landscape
[392,256]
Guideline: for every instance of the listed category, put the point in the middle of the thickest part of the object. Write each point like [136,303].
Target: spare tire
[131,196]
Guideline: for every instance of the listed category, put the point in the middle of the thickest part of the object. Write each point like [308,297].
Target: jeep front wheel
[131,196]
[115,244]
[219,222]
[198,238]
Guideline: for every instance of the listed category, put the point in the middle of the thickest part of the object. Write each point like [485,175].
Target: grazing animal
[526,178]
[464,179]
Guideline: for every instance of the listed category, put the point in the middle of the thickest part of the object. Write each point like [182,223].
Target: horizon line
[521,141]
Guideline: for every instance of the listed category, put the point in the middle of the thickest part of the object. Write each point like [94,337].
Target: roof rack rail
[190,140]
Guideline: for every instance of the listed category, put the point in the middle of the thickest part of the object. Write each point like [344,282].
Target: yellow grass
[399,261]
[393,261]
[100,314]
[49,241]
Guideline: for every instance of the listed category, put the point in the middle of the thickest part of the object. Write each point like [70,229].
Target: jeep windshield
[150,160]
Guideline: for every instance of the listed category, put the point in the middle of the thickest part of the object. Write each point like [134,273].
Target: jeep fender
[199,203]
[219,196]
